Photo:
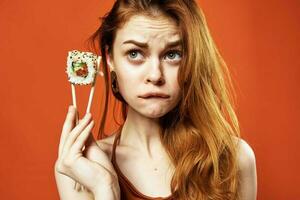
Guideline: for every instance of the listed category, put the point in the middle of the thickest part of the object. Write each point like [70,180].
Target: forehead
[147,29]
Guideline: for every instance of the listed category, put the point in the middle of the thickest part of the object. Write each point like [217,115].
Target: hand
[90,167]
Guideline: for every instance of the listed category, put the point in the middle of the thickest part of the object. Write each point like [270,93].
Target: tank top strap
[116,141]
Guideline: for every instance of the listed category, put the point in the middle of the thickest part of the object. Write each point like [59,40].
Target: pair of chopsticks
[77,186]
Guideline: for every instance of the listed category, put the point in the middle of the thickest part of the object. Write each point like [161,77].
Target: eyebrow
[145,45]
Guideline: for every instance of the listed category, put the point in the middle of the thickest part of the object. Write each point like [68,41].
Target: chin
[154,113]
[152,116]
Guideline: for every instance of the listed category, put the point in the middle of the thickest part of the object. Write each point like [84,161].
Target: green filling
[76,66]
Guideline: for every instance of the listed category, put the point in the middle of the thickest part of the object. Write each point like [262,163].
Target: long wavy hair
[200,133]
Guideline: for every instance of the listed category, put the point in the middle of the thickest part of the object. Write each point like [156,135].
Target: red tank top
[128,191]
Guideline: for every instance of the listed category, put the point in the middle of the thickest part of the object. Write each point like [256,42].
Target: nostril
[159,81]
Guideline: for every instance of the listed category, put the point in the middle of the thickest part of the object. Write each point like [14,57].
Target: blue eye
[133,54]
[172,55]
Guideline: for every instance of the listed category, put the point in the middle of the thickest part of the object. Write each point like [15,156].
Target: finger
[88,144]
[69,121]
[82,138]
[67,126]
[75,132]
[90,140]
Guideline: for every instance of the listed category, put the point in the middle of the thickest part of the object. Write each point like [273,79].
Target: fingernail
[70,108]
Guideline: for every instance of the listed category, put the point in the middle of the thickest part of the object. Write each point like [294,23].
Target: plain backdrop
[259,41]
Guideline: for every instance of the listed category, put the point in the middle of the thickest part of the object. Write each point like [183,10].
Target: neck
[142,134]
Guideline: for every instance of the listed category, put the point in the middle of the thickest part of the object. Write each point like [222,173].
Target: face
[146,58]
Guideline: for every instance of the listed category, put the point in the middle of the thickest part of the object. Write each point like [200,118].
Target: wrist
[111,192]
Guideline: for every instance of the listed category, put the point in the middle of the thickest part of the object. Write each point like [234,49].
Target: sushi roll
[82,67]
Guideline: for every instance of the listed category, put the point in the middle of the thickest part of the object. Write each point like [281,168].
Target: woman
[180,138]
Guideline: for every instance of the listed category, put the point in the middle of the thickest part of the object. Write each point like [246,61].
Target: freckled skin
[134,78]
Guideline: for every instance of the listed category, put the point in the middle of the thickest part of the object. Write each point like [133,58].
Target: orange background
[259,41]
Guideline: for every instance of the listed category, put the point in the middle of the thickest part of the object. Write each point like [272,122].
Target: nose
[155,73]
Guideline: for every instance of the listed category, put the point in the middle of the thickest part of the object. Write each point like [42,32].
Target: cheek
[176,89]
[127,80]
[174,81]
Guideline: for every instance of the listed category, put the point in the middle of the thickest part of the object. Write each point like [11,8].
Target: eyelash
[139,51]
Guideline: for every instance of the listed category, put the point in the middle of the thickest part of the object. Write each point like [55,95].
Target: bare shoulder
[247,170]
[106,144]
[246,155]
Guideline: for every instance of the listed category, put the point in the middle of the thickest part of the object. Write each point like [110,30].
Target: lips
[155,94]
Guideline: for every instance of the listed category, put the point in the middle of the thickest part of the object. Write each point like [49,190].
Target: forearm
[111,193]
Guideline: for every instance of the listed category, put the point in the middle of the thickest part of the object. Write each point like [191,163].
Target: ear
[109,60]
